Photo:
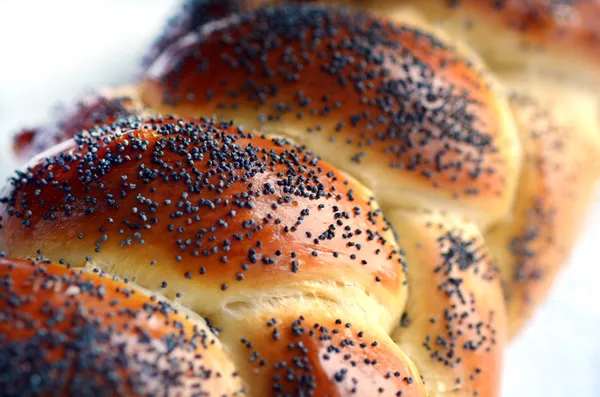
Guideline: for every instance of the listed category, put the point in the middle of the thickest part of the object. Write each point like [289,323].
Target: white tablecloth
[53,50]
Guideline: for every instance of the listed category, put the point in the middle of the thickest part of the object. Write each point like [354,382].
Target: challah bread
[243,229]
[289,256]
[409,136]
[64,332]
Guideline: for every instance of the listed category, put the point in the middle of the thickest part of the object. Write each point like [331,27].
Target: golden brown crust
[396,106]
[558,181]
[179,205]
[156,188]
[392,104]
[83,334]
[455,328]
[317,354]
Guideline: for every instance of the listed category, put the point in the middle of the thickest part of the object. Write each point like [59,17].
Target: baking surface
[52,51]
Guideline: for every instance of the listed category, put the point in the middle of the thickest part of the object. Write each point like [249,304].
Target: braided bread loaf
[349,233]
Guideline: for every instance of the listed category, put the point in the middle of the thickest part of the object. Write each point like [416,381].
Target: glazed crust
[176,204]
[85,334]
[313,352]
[240,229]
[394,105]
[454,330]
[524,288]
[289,257]
[65,316]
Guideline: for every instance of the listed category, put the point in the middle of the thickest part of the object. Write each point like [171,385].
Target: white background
[52,50]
